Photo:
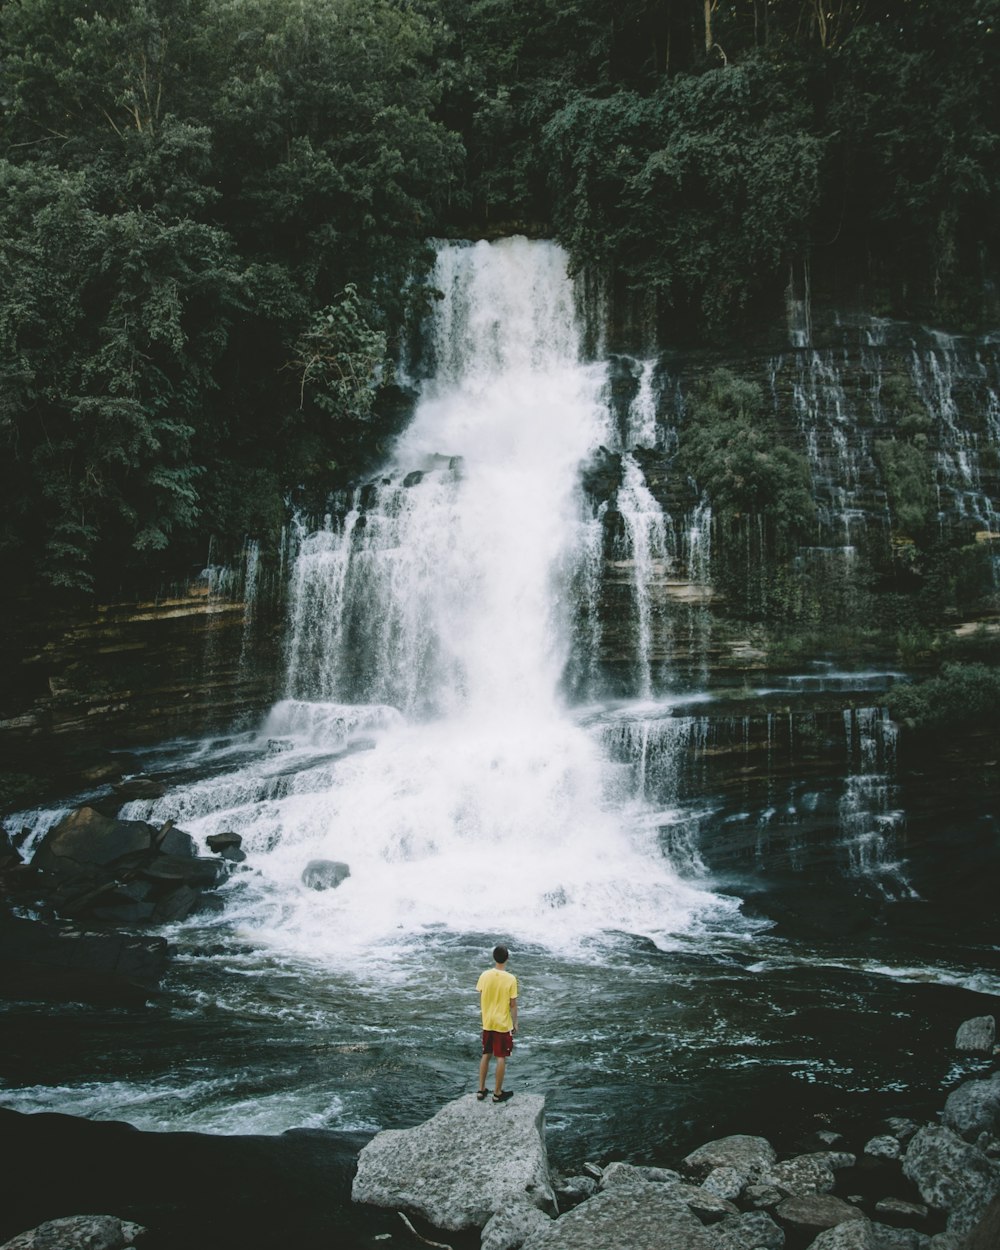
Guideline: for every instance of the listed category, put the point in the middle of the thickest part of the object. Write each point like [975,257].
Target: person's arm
[513,1015]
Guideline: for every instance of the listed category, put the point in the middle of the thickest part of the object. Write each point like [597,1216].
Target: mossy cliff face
[128,673]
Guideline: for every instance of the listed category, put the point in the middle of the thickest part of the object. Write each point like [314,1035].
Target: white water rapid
[424,740]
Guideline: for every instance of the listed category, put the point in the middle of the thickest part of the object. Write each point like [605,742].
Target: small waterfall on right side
[871,825]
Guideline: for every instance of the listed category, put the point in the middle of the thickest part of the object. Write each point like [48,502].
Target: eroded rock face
[645,1216]
[463,1165]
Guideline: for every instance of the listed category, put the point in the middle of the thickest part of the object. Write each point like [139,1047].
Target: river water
[427,741]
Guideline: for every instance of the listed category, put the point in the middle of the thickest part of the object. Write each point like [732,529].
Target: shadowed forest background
[215,217]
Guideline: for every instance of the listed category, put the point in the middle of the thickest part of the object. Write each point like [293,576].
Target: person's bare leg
[501,1068]
[484,1064]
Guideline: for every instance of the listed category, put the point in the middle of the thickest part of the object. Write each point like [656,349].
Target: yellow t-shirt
[497,989]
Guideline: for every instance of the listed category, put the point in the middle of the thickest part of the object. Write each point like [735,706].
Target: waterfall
[644,551]
[424,737]
[871,826]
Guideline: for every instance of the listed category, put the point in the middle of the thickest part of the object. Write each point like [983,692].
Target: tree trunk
[708,25]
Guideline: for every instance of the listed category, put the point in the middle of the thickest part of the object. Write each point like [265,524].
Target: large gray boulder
[78,1232]
[751,1157]
[85,841]
[977,1036]
[974,1108]
[463,1165]
[947,1171]
[640,1217]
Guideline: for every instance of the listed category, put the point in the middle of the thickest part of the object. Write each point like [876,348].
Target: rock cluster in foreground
[474,1165]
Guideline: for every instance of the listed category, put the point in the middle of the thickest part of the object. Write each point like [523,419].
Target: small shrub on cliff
[729,448]
[961,694]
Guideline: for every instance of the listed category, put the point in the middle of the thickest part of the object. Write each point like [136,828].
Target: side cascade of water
[872,826]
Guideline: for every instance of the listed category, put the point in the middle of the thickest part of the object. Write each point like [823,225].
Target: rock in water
[463,1165]
[977,1035]
[324,874]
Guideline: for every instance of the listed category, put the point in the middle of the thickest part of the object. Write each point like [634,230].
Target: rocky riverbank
[475,1175]
[910,1187]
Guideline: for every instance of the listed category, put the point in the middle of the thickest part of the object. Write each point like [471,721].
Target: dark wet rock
[985,1233]
[138,788]
[172,841]
[602,475]
[751,1157]
[977,1036]
[754,1230]
[815,1212]
[901,1128]
[463,1165]
[85,840]
[512,1225]
[201,873]
[79,1232]
[645,1216]
[974,1108]
[413,479]
[324,874]
[889,1237]
[40,959]
[885,1148]
[227,845]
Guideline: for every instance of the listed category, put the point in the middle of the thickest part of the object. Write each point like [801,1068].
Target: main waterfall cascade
[431,625]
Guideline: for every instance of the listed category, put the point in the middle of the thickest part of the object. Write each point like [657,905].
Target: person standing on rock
[498,1002]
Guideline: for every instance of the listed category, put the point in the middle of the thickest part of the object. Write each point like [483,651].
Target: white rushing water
[424,740]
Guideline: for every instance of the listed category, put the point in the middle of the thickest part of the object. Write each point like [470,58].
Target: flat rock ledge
[459,1168]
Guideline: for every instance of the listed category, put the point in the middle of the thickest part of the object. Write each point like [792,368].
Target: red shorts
[499,1045]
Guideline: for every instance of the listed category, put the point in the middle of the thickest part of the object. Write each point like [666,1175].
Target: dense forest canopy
[214,214]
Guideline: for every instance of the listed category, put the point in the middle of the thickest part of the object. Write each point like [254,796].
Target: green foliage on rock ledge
[729,449]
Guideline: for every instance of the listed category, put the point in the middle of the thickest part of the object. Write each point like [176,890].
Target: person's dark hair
[500,954]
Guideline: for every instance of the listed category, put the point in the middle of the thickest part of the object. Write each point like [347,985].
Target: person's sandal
[503,1095]
[481,1094]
